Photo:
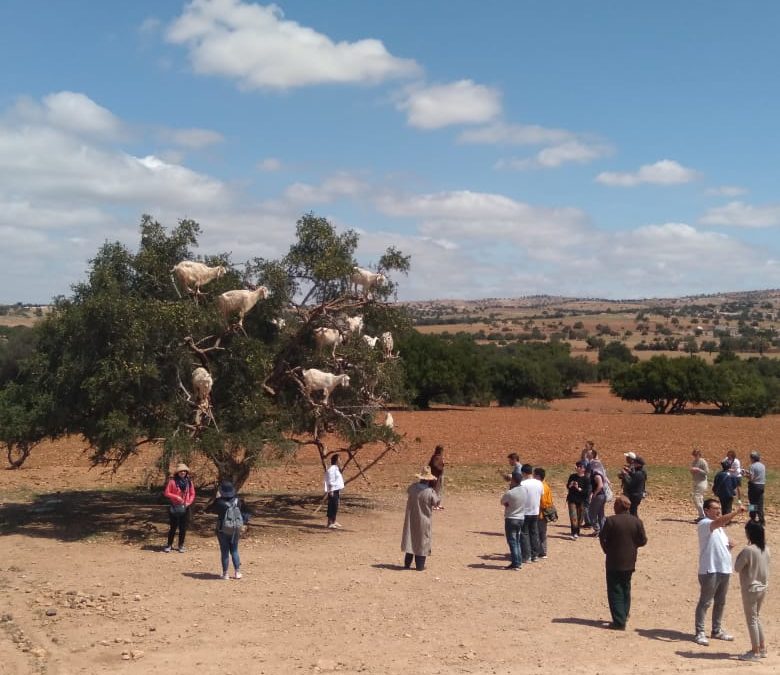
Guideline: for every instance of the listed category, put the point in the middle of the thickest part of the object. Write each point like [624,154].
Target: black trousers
[619,595]
[635,501]
[756,498]
[178,521]
[333,505]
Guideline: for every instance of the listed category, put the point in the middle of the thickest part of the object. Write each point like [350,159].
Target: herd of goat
[192,275]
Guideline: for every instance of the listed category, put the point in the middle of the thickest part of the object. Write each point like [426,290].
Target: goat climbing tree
[114,361]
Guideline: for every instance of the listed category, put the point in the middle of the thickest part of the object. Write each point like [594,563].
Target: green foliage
[113,363]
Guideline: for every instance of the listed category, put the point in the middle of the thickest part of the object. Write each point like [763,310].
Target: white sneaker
[167,549]
[224,577]
[701,639]
[332,526]
[338,526]
[238,575]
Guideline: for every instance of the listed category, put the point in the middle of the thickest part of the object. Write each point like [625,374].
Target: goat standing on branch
[239,302]
[192,275]
[327,337]
[387,344]
[367,280]
[319,380]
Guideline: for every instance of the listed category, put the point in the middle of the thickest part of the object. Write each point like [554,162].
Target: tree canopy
[113,362]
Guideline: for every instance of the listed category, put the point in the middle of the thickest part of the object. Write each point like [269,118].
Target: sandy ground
[84,587]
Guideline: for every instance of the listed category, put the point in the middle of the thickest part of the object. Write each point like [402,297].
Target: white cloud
[332,188]
[150,26]
[269,165]
[726,191]
[576,152]
[70,112]
[461,102]
[739,214]
[195,139]
[257,47]
[663,172]
[516,134]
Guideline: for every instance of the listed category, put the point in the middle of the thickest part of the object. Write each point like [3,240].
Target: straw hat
[181,466]
[425,474]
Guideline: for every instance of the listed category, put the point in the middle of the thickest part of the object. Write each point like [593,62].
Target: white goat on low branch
[201,384]
[355,324]
[192,275]
[327,337]
[366,279]
[239,302]
[387,344]
[319,380]
[370,341]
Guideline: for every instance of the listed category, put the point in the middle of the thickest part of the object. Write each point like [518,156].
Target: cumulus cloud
[333,187]
[725,191]
[461,102]
[739,214]
[194,139]
[571,152]
[257,47]
[501,133]
[663,172]
[269,165]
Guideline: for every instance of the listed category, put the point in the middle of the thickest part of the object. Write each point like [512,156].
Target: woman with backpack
[231,519]
[180,490]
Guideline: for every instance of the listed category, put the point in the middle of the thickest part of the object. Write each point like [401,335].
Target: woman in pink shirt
[180,490]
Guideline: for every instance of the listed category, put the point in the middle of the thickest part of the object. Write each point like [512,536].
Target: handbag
[550,514]
[178,509]
[609,495]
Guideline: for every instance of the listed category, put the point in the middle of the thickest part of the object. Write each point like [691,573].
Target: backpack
[233,520]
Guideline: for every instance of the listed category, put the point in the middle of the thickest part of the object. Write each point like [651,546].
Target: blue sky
[512,148]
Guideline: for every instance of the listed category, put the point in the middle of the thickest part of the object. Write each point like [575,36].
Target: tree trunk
[17,454]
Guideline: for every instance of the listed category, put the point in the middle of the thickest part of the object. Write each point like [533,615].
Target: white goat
[327,337]
[387,344]
[370,341]
[355,324]
[319,380]
[239,301]
[389,421]
[192,275]
[201,384]
[279,323]
[366,279]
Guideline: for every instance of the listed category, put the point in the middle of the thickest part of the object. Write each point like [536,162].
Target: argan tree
[113,362]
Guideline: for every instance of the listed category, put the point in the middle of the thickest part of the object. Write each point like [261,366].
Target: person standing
[752,563]
[735,470]
[514,503]
[634,479]
[436,463]
[334,484]
[700,472]
[575,498]
[586,456]
[724,486]
[714,570]
[516,466]
[530,532]
[418,522]
[756,482]
[180,491]
[547,512]
[620,538]
[231,518]
[598,497]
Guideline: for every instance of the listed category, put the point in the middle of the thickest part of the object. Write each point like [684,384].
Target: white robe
[416,537]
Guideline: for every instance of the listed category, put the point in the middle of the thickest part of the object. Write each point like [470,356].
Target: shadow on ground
[579,621]
[136,516]
[664,634]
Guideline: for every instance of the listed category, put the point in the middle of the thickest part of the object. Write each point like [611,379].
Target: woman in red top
[181,492]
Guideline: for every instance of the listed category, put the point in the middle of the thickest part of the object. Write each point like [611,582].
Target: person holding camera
[634,479]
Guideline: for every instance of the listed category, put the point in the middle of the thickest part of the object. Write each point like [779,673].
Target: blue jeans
[513,528]
[596,511]
[228,548]
[530,538]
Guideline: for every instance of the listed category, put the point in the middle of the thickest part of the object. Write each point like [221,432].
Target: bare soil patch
[84,587]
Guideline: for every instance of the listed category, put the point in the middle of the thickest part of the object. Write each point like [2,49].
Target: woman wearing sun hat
[180,490]
[416,537]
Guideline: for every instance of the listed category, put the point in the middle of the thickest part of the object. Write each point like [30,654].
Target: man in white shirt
[714,570]
[334,484]
[530,533]
[514,501]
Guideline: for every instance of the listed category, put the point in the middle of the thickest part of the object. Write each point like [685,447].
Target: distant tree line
[745,388]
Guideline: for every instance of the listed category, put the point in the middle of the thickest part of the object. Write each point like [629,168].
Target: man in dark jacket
[620,538]
[634,479]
